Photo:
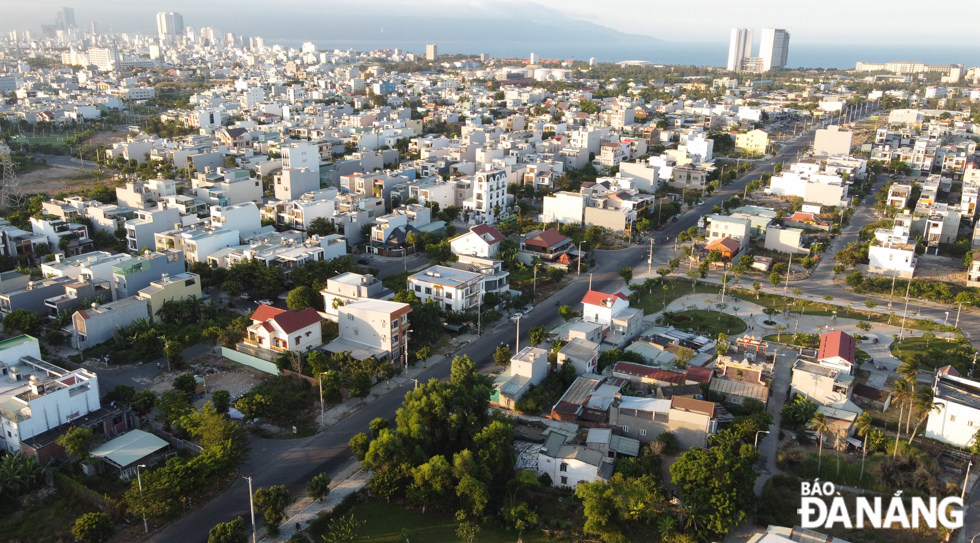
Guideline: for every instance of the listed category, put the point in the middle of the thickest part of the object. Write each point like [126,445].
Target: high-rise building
[774,48]
[95,28]
[170,25]
[739,48]
[431,53]
[69,17]
[533,58]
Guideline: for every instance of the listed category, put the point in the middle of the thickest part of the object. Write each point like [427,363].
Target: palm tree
[819,425]
[170,312]
[924,404]
[903,392]
[863,426]
[910,370]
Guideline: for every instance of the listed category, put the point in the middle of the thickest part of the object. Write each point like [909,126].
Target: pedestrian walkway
[304,511]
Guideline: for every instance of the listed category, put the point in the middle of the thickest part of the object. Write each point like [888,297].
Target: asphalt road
[293,462]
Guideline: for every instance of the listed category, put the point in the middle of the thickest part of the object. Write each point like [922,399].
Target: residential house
[373,328]
[132,276]
[741,380]
[350,287]
[824,385]
[527,368]
[453,289]
[67,237]
[753,142]
[891,254]
[75,293]
[549,246]
[227,187]
[96,267]
[94,325]
[564,207]
[720,226]
[482,240]
[569,465]
[492,273]
[489,195]
[785,240]
[837,350]
[169,288]
[898,195]
[622,323]
[141,231]
[688,177]
[587,399]
[582,354]
[958,419]
[690,420]
[282,331]
[33,297]
[973,273]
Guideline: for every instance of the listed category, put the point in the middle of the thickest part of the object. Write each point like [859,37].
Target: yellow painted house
[170,287]
[755,141]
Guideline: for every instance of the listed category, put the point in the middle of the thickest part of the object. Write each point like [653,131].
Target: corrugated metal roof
[129,448]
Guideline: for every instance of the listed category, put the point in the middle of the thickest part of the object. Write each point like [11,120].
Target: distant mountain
[462,23]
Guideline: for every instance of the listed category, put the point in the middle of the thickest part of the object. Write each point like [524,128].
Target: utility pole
[788,271]
[534,282]
[590,281]
[966,480]
[251,506]
[580,257]
[517,341]
[139,480]
[906,314]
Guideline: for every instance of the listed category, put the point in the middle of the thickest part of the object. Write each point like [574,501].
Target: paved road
[293,462]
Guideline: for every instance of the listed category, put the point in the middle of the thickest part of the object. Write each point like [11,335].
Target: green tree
[870,304]
[221,400]
[318,487]
[819,425]
[23,321]
[377,425]
[627,275]
[716,485]
[94,528]
[565,312]
[185,383]
[213,429]
[757,287]
[520,517]
[775,279]
[229,532]
[320,226]
[77,442]
[863,425]
[502,356]
[359,445]
[272,502]
[536,335]
[301,298]
[174,349]
[343,528]
[144,401]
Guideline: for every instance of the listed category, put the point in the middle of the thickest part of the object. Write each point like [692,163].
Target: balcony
[251,342]
[280,349]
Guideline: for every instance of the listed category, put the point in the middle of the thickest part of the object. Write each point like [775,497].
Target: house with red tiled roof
[282,330]
[548,246]
[620,322]
[482,240]
[837,350]
[728,247]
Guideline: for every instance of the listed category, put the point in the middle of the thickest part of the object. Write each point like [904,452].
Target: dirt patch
[219,373]
[56,179]
[938,270]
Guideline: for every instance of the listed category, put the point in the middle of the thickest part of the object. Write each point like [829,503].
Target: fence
[178,443]
[102,502]
[250,361]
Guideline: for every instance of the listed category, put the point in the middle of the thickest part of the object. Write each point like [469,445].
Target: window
[563,467]
[952,418]
[308,334]
[564,480]
[626,429]
[643,432]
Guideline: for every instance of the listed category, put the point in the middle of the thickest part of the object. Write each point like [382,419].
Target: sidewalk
[305,510]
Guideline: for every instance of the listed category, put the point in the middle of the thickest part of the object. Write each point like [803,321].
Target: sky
[827,21]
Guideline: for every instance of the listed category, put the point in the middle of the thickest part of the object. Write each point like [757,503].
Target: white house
[372,328]
[582,354]
[740,230]
[891,253]
[281,331]
[600,307]
[837,350]
[452,289]
[958,420]
[564,207]
[482,240]
[527,368]
[351,287]
[569,465]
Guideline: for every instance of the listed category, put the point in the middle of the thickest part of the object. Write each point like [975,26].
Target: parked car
[243,296]
[265,302]
[673,219]
[516,316]
[528,308]
[363,261]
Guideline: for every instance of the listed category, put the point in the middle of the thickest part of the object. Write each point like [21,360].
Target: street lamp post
[757,437]
[580,257]
[517,341]
[251,506]
[139,481]
[319,378]
[789,270]
[965,480]
[406,350]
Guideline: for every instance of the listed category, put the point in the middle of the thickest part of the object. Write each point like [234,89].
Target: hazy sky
[838,21]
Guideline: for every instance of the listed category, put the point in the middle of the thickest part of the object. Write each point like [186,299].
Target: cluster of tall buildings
[773,50]
[170,26]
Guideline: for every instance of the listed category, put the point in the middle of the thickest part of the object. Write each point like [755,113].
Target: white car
[516,316]
[243,295]
[528,309]
[265,302]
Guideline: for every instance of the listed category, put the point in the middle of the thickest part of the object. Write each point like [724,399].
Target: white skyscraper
[739,48]
[170,25]
[533,58]
[774,48]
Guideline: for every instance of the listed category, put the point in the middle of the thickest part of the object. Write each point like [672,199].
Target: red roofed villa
[837,350]
[280,330]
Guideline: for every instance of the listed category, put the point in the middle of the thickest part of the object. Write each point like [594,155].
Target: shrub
[319,487]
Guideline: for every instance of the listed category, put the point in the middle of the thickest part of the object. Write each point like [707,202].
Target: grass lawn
[654,303]
[47,521]
[385,521]
[911,346]
[709,323]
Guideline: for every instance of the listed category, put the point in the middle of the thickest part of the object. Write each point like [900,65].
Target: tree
[863,427]
[819,425]
[377,425]
[221,400]
[214,429]
[565,312]
[412,239]
[94,528]
[23,321]
[502,356]
[301,298]
[627,275]
[864,326]
[318,487]
[757,287]
[343,528]
[809,263]
[903,393]
[870,304]
[924,404]
[775,279]
[144,401]
[174,349]
[536,335]
[520,517]
[272,502]
[839,269]
[77,441]
[359,445]
[716,485]
[185,383]
[928,337]
[229,532]
[423,353]
[694,275]
[320,226]
[467,531]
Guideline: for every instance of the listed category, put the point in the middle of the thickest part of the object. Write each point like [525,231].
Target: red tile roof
[837,344]
[594,297]
[649,372]
[548,238]
[265,312]
[699,374]
[291,321]
[488,233]
[728,244]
